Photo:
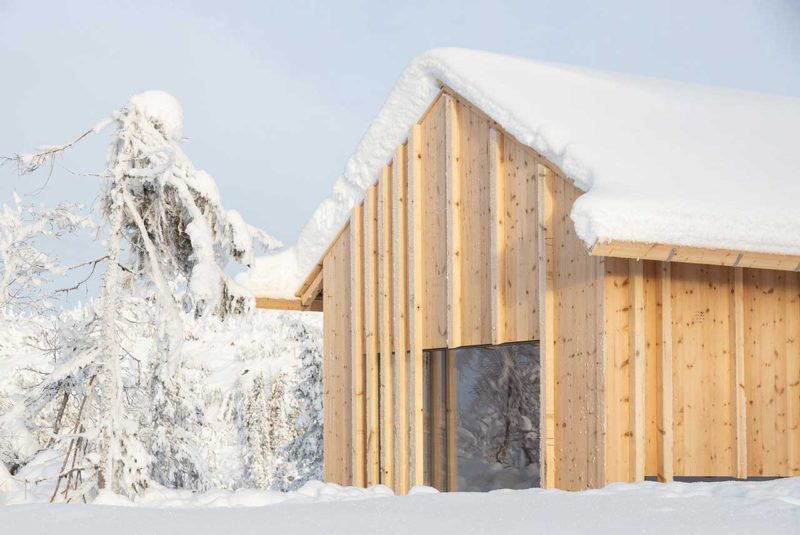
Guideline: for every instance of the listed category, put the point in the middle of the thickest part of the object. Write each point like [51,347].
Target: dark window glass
[482,417]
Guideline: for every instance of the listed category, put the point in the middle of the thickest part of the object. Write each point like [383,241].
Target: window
[482,417]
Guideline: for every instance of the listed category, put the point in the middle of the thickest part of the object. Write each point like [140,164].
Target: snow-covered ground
[728,508]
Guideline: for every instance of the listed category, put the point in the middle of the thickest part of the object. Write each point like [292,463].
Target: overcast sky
[276,95]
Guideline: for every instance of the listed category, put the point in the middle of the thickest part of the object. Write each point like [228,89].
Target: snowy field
[726,508]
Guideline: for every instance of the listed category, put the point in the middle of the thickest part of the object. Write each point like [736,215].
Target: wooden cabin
[653,360]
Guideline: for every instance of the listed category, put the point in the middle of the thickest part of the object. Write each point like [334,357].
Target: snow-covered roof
[660,161]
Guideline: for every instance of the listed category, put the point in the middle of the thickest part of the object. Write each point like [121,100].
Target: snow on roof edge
[280,275]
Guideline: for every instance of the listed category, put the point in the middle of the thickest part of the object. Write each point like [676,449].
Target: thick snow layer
[660,161]
[732,508]
[162,109]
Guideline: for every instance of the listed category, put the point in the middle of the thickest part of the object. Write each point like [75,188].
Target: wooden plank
[664,374]
[703,370]
[637,376]
[497,180]
[793,372]
[385,334]
[451,426]
[371,334]
[337,384]
[580,448]
[437,420]
[521,218]
[474,234]
[740,407]
[652,311]
[546,257]
[766,365]
[416,405]
[432,160]
[453,187]
[399,316]
[618,365]
[313,290]
[570,437]
[357,359]
[696,255]
[273,303]
[597,442]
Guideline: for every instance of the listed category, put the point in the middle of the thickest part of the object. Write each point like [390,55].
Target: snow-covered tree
[167,237]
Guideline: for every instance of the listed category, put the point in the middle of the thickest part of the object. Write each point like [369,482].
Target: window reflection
[482,417]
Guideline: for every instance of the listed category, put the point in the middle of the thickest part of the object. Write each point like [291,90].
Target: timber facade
[654,360]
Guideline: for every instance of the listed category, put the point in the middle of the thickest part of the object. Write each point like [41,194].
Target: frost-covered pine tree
[167,235]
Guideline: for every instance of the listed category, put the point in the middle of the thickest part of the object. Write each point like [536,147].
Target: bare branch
[28,163]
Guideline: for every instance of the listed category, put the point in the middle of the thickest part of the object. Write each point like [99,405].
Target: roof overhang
[696,255]
[308,297]
[277,303]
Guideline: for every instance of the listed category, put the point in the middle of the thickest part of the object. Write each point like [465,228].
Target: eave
[273,303]
[696,255]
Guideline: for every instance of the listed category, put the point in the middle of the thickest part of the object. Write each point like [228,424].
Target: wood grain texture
[372,399]
[521,277]
[497,237]
[337,379]
[385,327]
[696,255]
[400,303]
[547,350]
[416,402]
[432,221]
[637,356]
[579,405]
[357,360]
[471,205]
[664,469]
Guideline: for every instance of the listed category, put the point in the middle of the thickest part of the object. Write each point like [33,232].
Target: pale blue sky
[276,95]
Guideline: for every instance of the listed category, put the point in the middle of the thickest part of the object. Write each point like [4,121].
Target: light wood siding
[659,367]
[357,358]
[652,343]
[416,403]
[545,200]
[433,227]
[521,214]
[772,371]
[400,317]
[386,325]
[619,428]
[703,367]
[426,275]
[722,371]
[475,222]
[337,380]
[372,387]
[578,353]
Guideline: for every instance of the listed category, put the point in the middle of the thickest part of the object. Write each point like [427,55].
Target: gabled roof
[661,162]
